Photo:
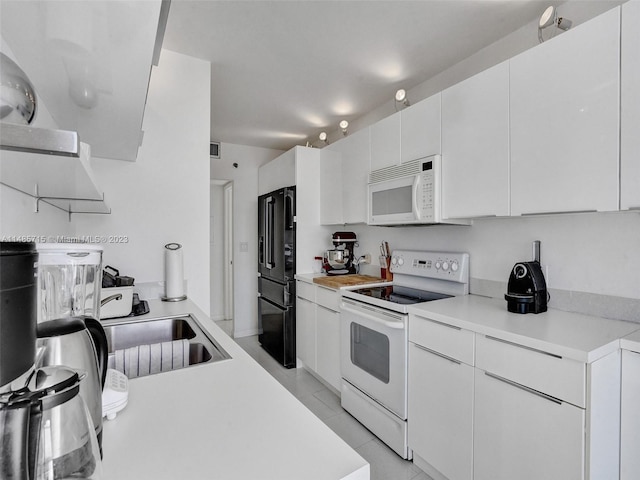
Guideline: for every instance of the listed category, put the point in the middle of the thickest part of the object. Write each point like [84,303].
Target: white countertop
[228,420]
[580,337]
[631,342]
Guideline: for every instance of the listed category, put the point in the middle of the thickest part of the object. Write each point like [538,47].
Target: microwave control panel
[427,191]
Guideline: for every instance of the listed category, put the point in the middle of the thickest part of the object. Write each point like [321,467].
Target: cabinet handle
[555,400]
[439,323]
[522,346]
[438,354]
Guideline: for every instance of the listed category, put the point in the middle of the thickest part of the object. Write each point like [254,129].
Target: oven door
[374,353]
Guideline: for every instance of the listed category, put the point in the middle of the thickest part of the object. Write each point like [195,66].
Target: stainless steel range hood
[24,138]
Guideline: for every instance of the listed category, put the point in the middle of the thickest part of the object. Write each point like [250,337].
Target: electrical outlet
[366,258]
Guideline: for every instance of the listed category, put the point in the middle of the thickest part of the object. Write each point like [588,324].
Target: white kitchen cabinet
[318,330]
[331,190]
[356,157]
[630,416]
[420,129]
[306,331]
[385,142]
[475,145]
[520,434]
[440,413]
[564,121]
[344,178]
[630,107]
[328,345]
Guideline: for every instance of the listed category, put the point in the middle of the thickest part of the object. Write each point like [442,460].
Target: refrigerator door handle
[269,213]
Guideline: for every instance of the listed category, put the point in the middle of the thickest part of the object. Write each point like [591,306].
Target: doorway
[228,253]
[221,246]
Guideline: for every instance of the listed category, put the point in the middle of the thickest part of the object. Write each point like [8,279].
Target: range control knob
[438,264]
[394,260]
[400,261]
[445,265]
[454,266]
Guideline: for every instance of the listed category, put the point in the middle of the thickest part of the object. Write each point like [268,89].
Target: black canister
[18,309]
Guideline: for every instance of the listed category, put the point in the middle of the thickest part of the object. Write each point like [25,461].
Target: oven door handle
[398,324]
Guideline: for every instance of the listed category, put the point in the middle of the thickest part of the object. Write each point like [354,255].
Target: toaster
[527,289]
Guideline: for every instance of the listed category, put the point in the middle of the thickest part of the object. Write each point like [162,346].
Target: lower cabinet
[441,413]
[519,433]
[328,345]
[318,331]
[306,332]
[630,417]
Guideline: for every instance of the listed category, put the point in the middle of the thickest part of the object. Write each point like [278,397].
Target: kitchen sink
[152,346]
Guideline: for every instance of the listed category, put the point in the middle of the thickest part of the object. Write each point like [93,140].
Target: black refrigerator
[276,270]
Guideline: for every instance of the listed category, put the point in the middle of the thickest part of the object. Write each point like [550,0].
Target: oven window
[393,200]
[370,351]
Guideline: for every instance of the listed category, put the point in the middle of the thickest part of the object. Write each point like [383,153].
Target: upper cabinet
[90,63]
[475,145]
[385,142]
[420,129]
[630,107]
[564,121]
[344,176]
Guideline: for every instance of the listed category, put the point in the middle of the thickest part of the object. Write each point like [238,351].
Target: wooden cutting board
[339,281]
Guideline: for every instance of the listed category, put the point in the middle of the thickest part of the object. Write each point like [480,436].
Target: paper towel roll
[173,272]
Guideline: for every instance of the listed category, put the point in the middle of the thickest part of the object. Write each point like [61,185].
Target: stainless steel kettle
[79,343]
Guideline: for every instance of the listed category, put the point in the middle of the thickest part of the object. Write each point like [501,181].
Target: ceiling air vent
[214,150]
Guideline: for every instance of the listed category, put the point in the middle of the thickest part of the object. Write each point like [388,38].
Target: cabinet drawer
[328,298]
[440,337]
[306,290]
[545,372]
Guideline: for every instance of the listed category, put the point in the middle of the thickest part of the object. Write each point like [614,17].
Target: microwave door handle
[416,187]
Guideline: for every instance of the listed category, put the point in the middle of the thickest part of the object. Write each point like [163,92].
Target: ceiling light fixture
[550,17]
[343,126]
[401,98]
[323,137]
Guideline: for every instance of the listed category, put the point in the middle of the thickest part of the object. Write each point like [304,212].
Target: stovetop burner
[400,295]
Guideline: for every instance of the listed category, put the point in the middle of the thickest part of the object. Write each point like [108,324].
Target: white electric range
[374,338]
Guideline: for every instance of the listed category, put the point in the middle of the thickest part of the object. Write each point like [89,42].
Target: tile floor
[385,464]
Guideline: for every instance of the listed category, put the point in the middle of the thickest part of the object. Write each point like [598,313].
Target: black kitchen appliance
[276,270]
[527,288]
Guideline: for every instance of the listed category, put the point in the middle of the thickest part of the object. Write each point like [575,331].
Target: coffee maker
[527,288]
[47,431]
[341,259]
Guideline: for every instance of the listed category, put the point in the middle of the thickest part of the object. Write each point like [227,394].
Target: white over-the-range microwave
[408,194]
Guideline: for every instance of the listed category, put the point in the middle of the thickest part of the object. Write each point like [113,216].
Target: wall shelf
[66,183]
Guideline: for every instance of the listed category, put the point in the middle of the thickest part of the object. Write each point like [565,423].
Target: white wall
[245,227]
[163,197]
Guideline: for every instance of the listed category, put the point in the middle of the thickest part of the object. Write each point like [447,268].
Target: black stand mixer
[341,260]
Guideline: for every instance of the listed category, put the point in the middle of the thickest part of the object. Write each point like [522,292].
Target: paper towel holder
[177,298]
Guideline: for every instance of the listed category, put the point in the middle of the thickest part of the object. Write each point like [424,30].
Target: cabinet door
[306,332]
[441,412]
[520,434]
[630,424]
[385,142]
[331,212]
[420,129]
[355,176]
[564,104]
[475,145]
[630,111]
[328,346]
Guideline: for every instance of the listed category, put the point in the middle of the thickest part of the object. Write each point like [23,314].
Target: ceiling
[283,71]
